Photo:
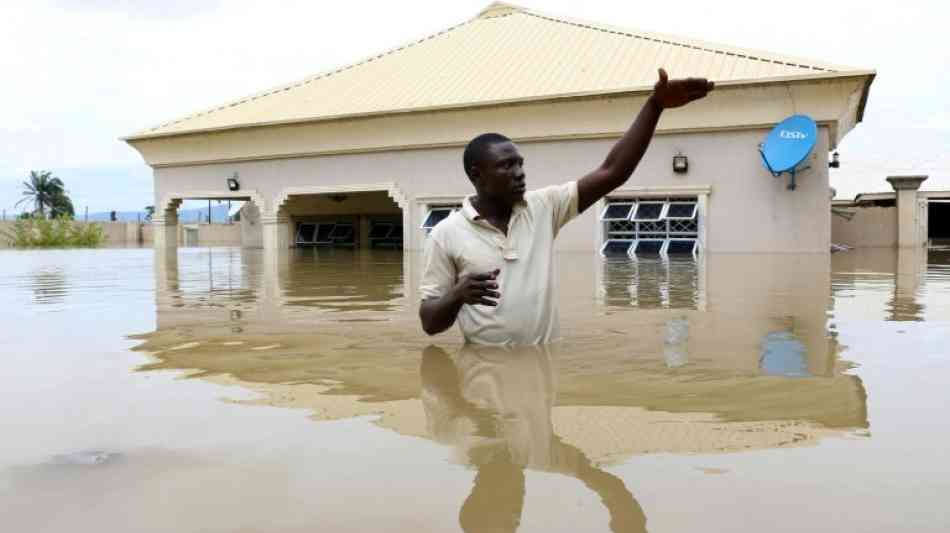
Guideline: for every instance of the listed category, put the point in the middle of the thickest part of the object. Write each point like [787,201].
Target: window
[342,234]
[396,233]
[305,233]
[436,214]
[680,247]
[617,211]
[651,227]
[648,211]
[380,230]
[323,233]
[682,210]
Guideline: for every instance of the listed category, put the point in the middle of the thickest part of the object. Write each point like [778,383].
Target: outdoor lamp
[834,163]
[680,164]
[233,183]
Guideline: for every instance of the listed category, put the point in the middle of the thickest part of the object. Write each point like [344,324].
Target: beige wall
[748,209]
[148,234]
[871,227]
[219,235]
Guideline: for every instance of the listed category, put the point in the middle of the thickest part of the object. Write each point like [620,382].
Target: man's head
[496,168]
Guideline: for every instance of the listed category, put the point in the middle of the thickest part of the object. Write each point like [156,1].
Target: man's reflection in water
[494,406]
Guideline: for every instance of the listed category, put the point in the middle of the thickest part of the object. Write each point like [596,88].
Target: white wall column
[908,220]
[276,229]
[165,230]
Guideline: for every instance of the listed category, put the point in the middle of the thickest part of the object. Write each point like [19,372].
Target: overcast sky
[78,74]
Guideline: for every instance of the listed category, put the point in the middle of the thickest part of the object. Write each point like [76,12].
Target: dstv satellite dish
[788,146]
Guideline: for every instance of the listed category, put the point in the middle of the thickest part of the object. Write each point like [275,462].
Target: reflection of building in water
[653,282]
[741,311]
[893,274]
[631,380]
[494,406]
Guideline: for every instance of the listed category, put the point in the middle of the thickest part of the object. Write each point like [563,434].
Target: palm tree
[44,190]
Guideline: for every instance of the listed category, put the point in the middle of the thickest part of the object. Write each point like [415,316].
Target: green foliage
[61,206]
[46,192]
[55,233]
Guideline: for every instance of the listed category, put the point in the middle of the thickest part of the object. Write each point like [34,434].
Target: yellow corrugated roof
[506,53]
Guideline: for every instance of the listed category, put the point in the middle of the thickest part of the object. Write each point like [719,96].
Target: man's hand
[676,93]
[478,289]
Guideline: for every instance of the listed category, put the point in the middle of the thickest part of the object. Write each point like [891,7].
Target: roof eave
[752,82]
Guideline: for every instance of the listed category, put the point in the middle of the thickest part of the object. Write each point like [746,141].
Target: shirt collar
[472,214]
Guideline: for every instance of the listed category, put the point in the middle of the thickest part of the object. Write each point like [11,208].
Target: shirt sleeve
[562,200]
[439,272]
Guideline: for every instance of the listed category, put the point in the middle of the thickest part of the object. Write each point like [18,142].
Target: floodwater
[215,391]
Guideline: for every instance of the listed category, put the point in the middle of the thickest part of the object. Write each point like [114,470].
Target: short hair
[477,147]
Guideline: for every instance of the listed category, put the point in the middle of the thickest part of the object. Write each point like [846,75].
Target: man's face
[499,176]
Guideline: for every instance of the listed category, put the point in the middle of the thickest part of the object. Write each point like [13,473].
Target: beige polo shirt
[464,243]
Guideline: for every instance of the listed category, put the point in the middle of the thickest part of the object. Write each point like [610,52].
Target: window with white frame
[325,233]
[436,214]
[305,233]
[650,226]
[342,233]
[380,230]
[385,234]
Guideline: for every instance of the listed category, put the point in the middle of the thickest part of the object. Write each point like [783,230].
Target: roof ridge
[499,9]
[311,78]
[687,42]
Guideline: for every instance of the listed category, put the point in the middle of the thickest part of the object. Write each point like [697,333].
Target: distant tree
[42,189]
[149,212]
[62,207]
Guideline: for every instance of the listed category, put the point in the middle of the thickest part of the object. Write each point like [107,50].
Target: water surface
[215,391]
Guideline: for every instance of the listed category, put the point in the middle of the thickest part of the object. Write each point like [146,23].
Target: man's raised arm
[626,154]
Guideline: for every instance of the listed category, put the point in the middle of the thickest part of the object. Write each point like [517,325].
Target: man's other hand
[479,289]
[676,93]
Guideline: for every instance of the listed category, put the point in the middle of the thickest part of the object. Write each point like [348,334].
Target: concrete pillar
[364,232]
[908,230]
[165,228]
[276,235]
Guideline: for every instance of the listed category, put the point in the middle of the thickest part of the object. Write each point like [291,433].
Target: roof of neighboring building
[871,197]
[505,54]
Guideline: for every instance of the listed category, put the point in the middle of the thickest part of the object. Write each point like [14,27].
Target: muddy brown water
[215,391]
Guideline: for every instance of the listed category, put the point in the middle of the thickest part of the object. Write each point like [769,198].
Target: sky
[79,74]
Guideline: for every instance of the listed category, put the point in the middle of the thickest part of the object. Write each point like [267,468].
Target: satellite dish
[788,145]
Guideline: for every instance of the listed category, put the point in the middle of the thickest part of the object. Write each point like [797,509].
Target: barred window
[651,226]
[436,214]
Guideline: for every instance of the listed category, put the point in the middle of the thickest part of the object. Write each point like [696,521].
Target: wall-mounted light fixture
[680,164]
[834,163]
[233,183]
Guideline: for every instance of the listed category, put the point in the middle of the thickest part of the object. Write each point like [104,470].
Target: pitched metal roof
[506,53]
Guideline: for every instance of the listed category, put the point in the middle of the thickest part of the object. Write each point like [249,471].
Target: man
[490,265]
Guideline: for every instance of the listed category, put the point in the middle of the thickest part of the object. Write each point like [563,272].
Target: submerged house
[369,155]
